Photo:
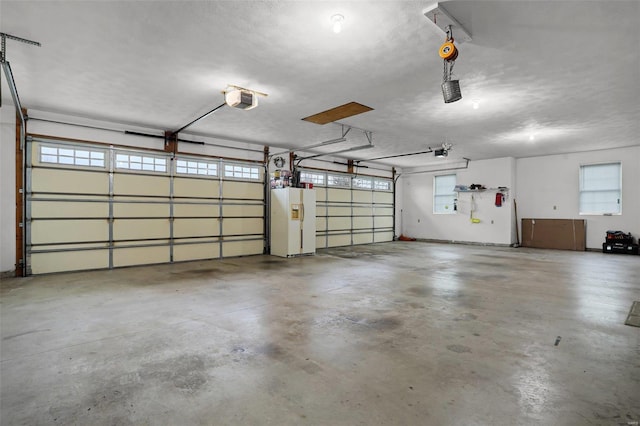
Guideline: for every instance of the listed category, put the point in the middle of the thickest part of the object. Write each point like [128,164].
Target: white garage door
[95,207]
[351,209]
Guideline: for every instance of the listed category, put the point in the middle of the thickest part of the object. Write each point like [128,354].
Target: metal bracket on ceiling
[441,18]
[3,41]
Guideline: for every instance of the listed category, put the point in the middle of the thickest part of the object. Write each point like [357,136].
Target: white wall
[7,184]
[553,181]
[496,223]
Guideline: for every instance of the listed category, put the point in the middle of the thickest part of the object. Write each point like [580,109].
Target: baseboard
[468,243]
[7,274]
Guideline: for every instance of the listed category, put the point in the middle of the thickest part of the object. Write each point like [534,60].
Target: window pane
[443,194]
[600,189]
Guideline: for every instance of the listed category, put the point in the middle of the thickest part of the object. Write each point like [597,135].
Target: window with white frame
[141,162]
[239,171]
[443,194]
[196,167]
[382,185]
[601,189]
[362,183]
[72,156]
[339,180]
[314,178]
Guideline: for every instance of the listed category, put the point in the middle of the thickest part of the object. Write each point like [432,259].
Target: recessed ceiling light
[337,22]
[475,104]
[532,138]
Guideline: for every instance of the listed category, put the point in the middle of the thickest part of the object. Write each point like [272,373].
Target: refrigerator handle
[302,212]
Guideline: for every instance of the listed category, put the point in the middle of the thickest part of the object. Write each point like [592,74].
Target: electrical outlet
[418,220]
[555,207]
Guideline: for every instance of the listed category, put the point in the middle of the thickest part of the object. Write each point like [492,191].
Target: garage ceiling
[548,76]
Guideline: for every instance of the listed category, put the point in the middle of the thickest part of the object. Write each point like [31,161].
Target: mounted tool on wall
[449,53]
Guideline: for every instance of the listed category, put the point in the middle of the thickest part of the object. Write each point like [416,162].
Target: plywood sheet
[563,234]
[343,111]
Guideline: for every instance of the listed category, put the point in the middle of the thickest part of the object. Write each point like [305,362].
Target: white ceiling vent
[242,99]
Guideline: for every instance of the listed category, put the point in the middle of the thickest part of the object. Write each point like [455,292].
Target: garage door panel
[338,240]
[44,263]
[362,196]
[183,228]
[140,229]
[362,222]
[362,211]
[184,252]
[383,211]
[383,236]
[383,222]
[321,193]
[242,248]
[363,238]
[321,241]
[343,195]
[230,210]
[242,190]
[195,210]
[69,231]
[130,184]
[196,188]
[339,211]
[57,180]
[321,223]
[383,197]
[321,210]
[69,209]
[231,226]
[140,256]
[141,210]
[338,223]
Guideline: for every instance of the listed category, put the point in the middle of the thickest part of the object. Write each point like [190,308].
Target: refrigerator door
[295,216]
[308,221]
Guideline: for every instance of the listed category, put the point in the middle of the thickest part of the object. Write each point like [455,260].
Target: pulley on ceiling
[449,53]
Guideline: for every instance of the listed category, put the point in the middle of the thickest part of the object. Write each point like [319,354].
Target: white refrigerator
[293,221]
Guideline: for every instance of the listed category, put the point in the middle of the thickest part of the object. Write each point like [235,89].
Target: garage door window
[241,172]
[382,185]
[141,162]
[315,178]
[192,167]
[600,189]
[443,194]
[71,156]
[362,183]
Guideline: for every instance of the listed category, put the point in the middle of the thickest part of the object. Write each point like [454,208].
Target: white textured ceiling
[567,73]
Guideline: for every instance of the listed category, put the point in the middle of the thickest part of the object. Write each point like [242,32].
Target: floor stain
[13,336]
[466,317]
[459,348]
[419,291]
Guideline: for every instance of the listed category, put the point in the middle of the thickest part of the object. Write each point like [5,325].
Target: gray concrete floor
[387,334]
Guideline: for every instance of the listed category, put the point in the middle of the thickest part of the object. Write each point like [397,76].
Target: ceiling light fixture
[337,20]
[475,104]
[532,138]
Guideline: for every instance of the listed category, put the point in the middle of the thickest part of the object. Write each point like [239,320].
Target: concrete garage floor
[387,334]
